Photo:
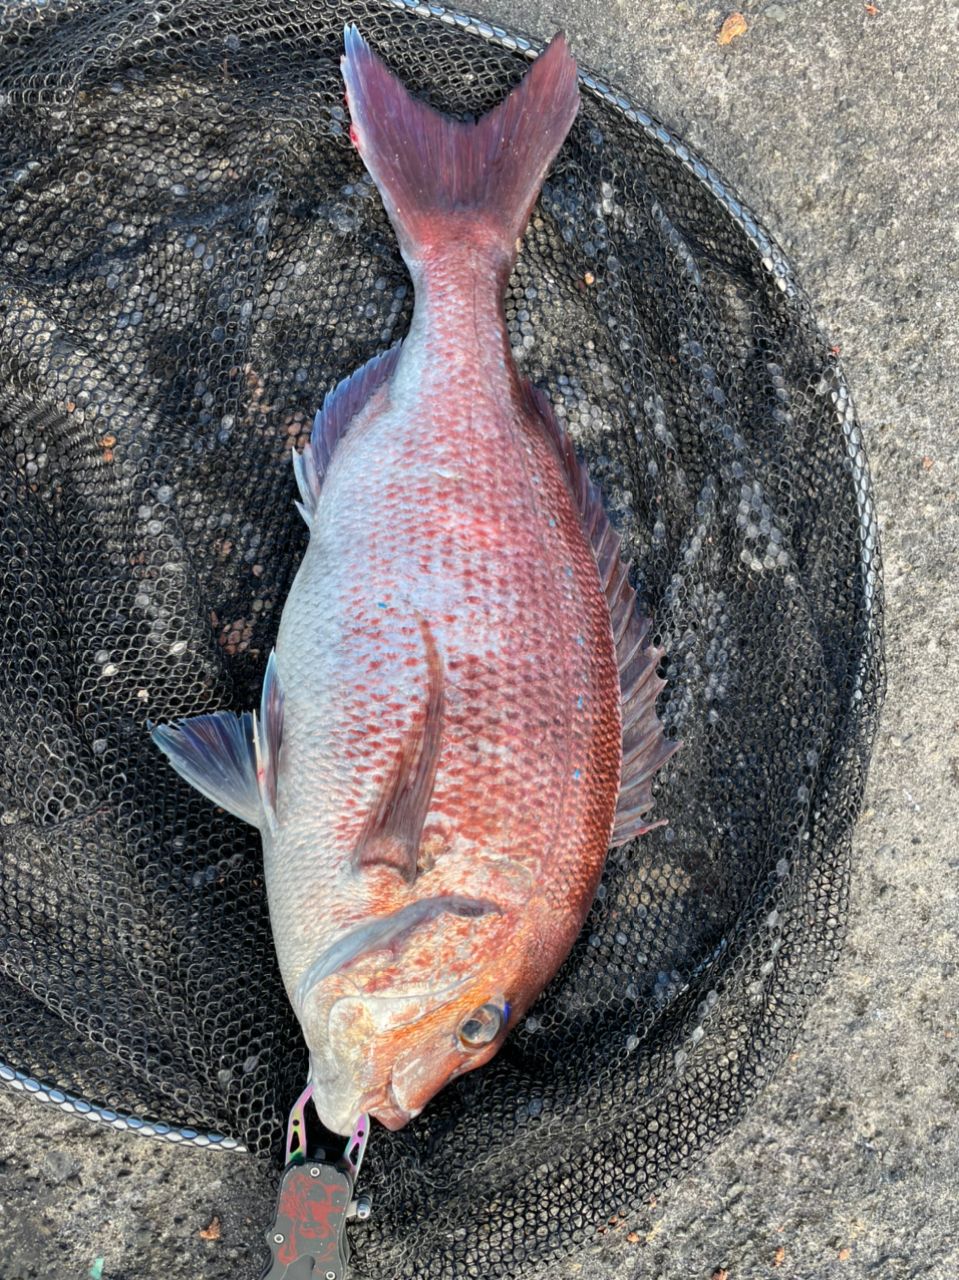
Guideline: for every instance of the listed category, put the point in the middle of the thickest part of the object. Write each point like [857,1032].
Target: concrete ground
[836,121]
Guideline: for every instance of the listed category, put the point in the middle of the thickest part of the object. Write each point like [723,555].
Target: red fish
[458,719]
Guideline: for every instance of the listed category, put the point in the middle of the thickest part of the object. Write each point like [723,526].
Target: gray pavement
[839,127]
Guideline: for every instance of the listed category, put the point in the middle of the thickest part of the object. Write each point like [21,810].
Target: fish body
[437,768]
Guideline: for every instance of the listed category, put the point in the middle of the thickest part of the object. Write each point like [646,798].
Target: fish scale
[437,768]
[534,634]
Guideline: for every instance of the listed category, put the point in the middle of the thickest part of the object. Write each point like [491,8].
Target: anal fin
[340,407]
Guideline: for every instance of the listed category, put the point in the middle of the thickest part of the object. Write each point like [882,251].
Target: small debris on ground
[235,637]
[734,26]
[720,1274]
[844,1255]
[779,1257]
[212,1230]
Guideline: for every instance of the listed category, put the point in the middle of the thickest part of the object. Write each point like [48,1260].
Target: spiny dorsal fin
[339,409]
[393,831]
[229,758]
[645,747]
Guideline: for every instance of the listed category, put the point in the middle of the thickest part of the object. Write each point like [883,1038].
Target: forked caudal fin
[431,169]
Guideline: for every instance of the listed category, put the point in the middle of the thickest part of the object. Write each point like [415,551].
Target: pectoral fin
[394,830]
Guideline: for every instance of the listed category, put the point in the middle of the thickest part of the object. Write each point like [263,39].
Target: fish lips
[348,1077]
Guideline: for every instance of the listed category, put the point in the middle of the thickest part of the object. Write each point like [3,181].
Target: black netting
[190,255]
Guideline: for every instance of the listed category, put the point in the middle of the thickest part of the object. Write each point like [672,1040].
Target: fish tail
[440,178]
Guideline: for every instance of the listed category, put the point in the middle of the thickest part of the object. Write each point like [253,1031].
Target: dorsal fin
[393,831]
[340,407]
[645,747]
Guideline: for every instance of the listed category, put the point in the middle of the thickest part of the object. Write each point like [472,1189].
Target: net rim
[773,262]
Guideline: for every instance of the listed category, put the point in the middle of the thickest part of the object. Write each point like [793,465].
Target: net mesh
[190,255]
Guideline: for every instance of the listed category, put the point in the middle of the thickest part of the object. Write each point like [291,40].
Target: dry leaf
[211,1232]
[720,1274]
[735,25]
[927,463]
[779,1257]
[844,1255]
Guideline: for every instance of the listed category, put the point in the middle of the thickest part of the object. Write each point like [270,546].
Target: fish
[458,719]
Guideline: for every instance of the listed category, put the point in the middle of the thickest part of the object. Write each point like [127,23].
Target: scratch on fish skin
[470,416]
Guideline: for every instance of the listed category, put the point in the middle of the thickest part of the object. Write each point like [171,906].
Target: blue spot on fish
[579,639]
[579,702]
[569,571]
[381,604]
[576,775]
[552,523]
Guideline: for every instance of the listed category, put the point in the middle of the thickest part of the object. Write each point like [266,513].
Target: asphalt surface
[837,124]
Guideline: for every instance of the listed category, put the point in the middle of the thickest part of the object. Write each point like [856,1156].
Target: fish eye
[481,1027]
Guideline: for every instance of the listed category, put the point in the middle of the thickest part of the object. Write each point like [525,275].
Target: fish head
[429,998]
[388,1056]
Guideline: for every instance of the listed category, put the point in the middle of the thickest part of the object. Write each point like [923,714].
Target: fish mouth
[388,1110]
[338,1111]
[385,932]
[337,1099]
